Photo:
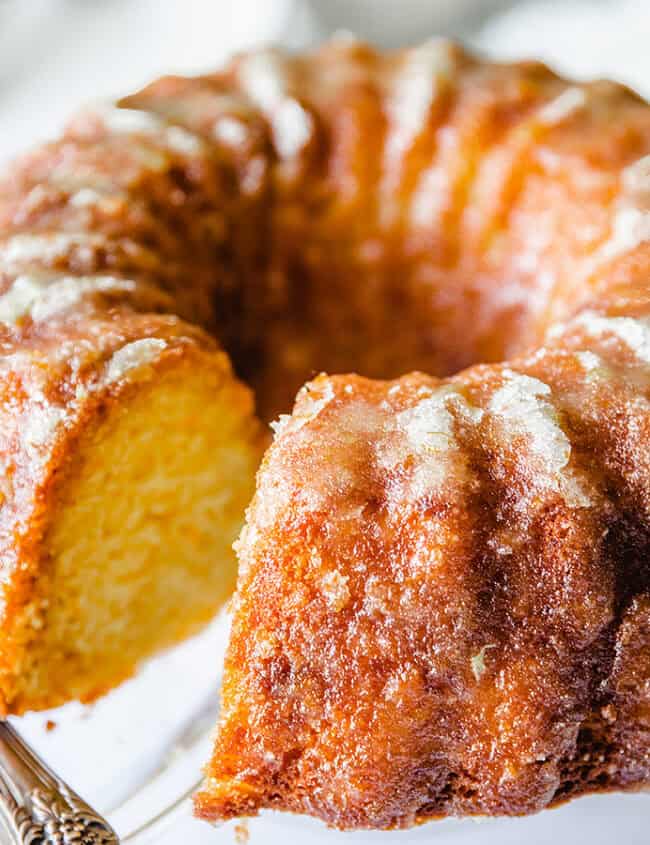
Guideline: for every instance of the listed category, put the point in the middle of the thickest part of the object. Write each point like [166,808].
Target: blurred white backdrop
[58,54]
[582,38]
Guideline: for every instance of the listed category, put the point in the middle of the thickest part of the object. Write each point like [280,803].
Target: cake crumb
[50,725]
[242,833]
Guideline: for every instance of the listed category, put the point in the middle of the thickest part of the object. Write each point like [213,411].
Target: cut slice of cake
[127,465]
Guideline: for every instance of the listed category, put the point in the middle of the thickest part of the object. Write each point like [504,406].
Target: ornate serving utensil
[36,807]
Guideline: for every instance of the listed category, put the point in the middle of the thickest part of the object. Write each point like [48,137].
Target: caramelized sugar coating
[443,604]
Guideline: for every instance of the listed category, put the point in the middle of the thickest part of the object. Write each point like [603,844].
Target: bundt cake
[443,602]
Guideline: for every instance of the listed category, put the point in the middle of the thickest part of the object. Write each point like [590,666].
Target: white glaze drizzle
[230,131]
[120,120]
[631,220]
[21,250]
[292,128]
[41,296]
[589,361]
[16,303]
[70,290]
[134,355]
[636,177]
[423,438]
[87,197]
[41,421]
[630,229]
[265,79]
[631,331]
[521,408]
[311,402]
[40,428]
[415,88]
[569,102]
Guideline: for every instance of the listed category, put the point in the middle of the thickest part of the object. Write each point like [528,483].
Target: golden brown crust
[258,182]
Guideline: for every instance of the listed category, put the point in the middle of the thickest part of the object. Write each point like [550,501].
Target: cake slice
[129,452]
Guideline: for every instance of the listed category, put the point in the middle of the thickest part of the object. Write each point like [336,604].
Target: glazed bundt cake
[443,602]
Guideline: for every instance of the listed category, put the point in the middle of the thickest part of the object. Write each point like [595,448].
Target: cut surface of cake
[127,495]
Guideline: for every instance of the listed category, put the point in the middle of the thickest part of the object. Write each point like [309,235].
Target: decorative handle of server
[36,807]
